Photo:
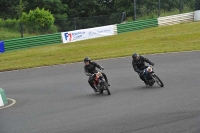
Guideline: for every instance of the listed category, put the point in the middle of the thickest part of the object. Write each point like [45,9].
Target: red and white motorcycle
[100,83]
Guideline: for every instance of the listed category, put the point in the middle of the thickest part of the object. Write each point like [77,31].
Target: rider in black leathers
[139,65]
[90,69]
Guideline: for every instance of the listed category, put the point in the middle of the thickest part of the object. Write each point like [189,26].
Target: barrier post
[197,15]
[2,47]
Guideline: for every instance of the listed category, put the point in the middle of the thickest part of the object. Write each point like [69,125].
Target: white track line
[13,102]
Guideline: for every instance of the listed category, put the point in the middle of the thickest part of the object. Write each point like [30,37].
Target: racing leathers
[139,66]
[90,70]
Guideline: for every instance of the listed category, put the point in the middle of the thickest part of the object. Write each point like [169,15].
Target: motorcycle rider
[90,69]
[139,65]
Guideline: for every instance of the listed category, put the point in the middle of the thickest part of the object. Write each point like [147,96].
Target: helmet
[134,56]
[86,59]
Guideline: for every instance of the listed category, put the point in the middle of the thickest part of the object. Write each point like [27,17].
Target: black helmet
[86,59]
[134,56]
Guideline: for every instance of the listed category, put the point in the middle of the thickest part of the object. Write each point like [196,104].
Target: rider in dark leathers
[139,65]
[90,69]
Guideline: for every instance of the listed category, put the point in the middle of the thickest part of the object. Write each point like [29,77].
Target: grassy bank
[7,34]
[182,37]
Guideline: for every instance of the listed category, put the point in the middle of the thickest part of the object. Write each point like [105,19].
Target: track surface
[58,99]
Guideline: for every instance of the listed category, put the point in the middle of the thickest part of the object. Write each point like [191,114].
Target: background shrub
[38,21]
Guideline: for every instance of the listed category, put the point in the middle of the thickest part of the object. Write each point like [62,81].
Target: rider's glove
[152,64]
[102,68]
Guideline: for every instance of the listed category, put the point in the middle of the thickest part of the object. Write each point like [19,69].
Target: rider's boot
[106,78]
[108,84]
[144,80]
[145,83]
[93,87]
[95,90]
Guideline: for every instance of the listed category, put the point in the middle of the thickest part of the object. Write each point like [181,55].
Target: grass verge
[182,37]
[7,34]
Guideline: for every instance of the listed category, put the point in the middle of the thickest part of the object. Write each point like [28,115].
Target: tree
[124,6]
[57,8]
[86,8]
[7,9]
[105,7]
[19,8]
[38,19]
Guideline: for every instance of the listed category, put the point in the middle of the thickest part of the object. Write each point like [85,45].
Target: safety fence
[176,19]
[137,25]
[28,42]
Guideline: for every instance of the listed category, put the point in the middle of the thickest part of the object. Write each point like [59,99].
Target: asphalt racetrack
[58,99]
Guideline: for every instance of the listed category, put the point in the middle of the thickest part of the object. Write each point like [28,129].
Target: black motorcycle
[151,77]
[100,83]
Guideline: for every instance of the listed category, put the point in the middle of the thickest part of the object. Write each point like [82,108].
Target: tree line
[62,9]
[51,16]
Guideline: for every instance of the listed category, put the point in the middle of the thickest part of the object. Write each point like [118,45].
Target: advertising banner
[84,34]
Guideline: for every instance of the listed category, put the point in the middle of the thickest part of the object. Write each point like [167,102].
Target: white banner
[84,34]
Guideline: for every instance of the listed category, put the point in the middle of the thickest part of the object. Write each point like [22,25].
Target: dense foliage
[78,14]
[83,8]
[38,19]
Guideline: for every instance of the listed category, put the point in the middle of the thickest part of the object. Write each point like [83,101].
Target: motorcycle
[100,83]
[151,77]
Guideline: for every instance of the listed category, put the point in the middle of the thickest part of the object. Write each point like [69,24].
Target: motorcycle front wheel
[158,81]
[106,88]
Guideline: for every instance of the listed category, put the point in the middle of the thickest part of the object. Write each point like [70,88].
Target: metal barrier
[137,25]
[28,42]
[176,19]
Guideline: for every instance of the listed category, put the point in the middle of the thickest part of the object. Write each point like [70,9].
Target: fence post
[123,16]
[158,8]
[21,29]
[135,10]
[196,4]
[181,6]
[75,23]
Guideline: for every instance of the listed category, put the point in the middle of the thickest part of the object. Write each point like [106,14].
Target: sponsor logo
[68,36]
[78,35]
[91,33]
[74,36]
[99,32]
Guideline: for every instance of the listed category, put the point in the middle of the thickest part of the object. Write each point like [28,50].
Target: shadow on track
[97,95]
[147,87]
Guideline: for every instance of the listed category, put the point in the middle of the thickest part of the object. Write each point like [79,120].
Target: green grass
[182,37]
[7,34]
